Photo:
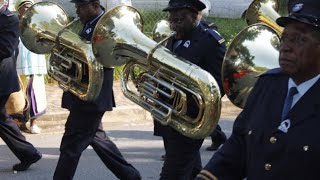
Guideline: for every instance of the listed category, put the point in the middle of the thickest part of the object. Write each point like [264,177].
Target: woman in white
[31,67]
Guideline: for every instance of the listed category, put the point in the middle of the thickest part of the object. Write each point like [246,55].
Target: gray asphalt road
[135,141]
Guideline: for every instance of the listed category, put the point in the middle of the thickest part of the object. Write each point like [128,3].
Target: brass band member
[201,46]
[83,126]
[275,136]
[9,131]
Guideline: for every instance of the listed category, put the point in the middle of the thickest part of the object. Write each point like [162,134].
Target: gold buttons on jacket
[267,166]
[273,140]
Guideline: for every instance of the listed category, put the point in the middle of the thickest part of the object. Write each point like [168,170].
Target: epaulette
[275,71]
[216,35]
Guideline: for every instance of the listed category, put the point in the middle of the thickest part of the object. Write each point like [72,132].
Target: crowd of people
[272,138]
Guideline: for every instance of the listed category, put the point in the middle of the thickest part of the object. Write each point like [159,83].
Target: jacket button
[305,148]
[267,166]
[250,132]
[273,140]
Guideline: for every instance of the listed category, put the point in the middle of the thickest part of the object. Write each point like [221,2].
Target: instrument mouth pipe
[64,29]
[173,33]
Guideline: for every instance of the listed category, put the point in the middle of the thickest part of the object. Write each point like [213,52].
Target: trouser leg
[11,135]
[218,135]
[112,157]
[80,129]
[183,160]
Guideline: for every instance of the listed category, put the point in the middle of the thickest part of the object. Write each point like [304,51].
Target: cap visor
[283,21]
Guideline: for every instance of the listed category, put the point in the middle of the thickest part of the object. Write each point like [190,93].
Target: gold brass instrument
[43,30]
[264,11]
[161,31]
[253,51]
[154,78]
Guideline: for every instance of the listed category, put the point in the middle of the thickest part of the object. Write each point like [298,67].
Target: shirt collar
[305,86]
[93,20]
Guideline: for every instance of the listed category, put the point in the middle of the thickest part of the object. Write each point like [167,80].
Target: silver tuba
[154,78]
[253,51]
[43,30]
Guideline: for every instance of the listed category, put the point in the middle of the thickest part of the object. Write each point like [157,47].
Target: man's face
[183,21]
[299,52]
[23,9]
[86,11]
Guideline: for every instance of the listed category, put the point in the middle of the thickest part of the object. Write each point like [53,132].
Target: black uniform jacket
[9,38]
[204,48]
[105,100]
[258,150]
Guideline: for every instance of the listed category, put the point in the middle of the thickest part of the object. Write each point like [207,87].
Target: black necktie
[288,102]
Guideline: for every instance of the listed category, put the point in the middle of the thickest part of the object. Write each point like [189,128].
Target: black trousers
[11,135]
[218,135]
[81,130]
[183,161]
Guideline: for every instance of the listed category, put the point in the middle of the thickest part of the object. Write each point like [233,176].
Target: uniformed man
[275,136]
[83,126]
[201,46]
[9,131]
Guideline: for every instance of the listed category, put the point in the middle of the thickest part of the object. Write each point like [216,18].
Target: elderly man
[275,136]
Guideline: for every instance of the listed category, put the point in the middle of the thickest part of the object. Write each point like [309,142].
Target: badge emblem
[88,30]
[187,44]
[297,7]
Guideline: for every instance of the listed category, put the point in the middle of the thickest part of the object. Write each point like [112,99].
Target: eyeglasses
[176,20]
[296,40]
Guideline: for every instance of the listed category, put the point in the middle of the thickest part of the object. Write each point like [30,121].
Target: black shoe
[134,175]
[163,157]
[24,165]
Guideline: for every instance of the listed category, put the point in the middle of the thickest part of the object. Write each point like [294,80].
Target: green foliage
[150,18]
[228,28]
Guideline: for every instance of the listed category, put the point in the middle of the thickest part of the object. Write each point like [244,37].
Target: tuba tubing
[44,30]
[264,11]
[150,66]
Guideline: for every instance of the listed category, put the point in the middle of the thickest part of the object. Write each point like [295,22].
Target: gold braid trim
[203,177]
[208,174]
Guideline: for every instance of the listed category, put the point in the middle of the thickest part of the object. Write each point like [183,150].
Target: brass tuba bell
[43,30]
[253,51]
[154,78]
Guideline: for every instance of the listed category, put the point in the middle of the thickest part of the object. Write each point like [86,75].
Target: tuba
[154,78]
[253,51]
[44,30]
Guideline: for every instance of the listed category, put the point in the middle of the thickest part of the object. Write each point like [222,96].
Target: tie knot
[293,91]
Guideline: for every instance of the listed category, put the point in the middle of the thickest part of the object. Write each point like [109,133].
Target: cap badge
[297,7]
